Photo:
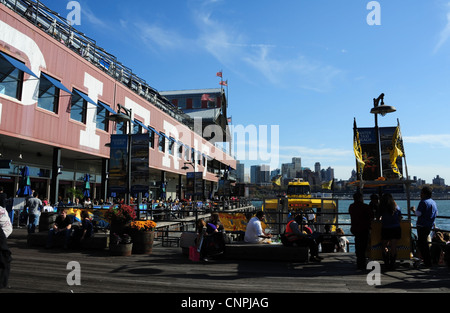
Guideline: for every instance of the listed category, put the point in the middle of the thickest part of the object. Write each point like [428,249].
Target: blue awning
[107,107]
[17,64]
[56,83]
[85,97]
[142,125]
[154,130]
[164,135]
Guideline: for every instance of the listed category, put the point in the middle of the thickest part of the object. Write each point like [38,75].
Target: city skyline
[436,180]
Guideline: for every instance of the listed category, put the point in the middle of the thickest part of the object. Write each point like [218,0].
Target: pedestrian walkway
[167,270]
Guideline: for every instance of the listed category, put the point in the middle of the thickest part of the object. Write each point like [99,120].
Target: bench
[100,241]
[266,252]
[239,250]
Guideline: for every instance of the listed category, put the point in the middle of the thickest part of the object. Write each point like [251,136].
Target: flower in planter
[147,225]
[122,214]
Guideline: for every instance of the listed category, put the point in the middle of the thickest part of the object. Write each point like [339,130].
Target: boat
[299,200]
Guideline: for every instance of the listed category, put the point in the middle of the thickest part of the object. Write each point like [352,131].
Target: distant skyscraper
[240,172]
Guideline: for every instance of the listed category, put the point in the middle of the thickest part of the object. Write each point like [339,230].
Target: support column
[54,187]
[104,184]
[179,186]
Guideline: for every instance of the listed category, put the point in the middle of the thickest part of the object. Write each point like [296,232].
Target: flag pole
[358,171]
[407,183]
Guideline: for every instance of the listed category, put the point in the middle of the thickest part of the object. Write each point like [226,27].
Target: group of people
[300,234]
[72,235]
[210,237]
[388,212]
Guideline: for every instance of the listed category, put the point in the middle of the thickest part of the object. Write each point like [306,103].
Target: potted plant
[120,218]
[120,245]
[143,234]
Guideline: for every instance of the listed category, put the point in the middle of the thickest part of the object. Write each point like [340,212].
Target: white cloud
[155,35]
[445,33]
[231,47]
[437,141]
[92,17]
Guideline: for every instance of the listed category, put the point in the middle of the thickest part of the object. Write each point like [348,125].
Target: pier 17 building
[60,95]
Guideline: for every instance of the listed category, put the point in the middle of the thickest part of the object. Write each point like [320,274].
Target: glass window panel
[48,95]
[10,79]
[102,118]
[78,108]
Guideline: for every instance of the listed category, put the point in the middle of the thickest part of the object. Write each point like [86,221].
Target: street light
[186,168]
[381,109]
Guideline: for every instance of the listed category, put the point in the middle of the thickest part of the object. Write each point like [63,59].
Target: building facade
[58,92]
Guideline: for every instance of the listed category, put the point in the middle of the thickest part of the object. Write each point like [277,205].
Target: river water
[344,219]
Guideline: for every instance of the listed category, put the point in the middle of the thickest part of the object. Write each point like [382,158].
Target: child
[343,241]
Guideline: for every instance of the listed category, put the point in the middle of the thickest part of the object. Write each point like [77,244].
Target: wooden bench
[266,252]
[239,250]
[100,241]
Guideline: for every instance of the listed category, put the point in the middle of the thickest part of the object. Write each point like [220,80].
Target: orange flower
[143,225]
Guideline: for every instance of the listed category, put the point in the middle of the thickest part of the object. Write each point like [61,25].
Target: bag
[285,241]
[194,255]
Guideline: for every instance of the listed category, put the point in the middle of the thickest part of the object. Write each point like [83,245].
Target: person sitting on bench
[296,235]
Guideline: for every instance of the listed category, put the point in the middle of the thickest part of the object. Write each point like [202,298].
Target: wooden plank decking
[167,270]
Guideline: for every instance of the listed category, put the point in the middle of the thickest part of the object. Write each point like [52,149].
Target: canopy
[25,183]
[87,186]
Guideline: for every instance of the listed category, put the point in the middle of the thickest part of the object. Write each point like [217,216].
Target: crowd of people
[433,246]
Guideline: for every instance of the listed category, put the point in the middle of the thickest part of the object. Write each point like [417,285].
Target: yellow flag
[277,180]
[358,152]
[328,185]
[396,151]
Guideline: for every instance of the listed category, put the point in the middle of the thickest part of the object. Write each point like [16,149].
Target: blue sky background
[310,67]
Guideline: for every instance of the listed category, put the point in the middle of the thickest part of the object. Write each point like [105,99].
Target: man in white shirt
[5,222]
[254,232]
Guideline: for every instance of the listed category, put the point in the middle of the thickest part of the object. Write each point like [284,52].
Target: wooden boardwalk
[167,270]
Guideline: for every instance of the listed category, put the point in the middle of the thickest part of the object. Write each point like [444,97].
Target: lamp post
[382,109]
[127,118]
[185,168]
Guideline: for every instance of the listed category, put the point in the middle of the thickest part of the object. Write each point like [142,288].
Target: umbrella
[25,183]
[87,186]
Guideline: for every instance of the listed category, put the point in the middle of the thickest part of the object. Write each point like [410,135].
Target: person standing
[33,204]
[391,231]
[361,218]
[426,214]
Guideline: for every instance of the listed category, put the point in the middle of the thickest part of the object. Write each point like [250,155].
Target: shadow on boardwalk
[167,270]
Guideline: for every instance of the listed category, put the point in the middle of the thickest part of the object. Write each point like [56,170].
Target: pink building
[57,93]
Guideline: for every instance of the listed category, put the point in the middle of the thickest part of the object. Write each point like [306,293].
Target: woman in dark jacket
[391,230]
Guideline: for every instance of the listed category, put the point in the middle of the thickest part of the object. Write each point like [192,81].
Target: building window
[121,128]
[137,129]
[151,139]
[171,146]
[48,95]
[186,153]
[192,155]
[78,107]
[162,143]
[11,80]
[197,103]
[180,150]
[102,117]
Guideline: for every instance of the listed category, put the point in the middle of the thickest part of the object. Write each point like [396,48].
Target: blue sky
[308,67]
